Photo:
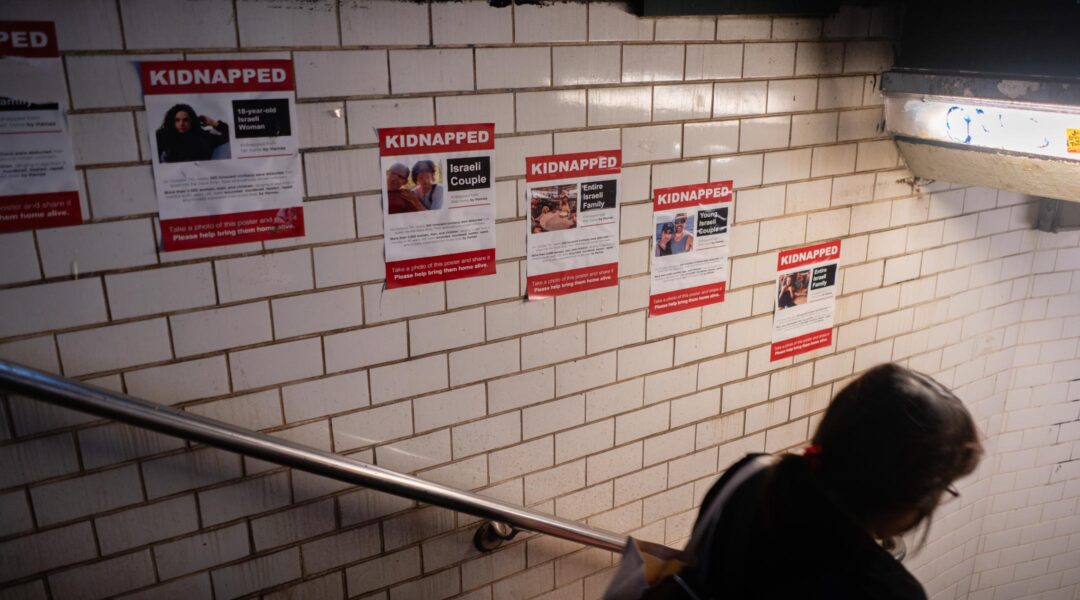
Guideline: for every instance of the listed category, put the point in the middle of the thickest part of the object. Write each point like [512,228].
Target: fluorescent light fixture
[1036,130]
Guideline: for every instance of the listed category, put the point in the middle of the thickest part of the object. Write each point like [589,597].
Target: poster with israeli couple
[438,202]
[225,151]
[38,187]
[805,299]
[573,222]
[690,247]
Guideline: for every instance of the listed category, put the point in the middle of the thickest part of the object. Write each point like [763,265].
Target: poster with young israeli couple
[805,299]
[225,151]
[690,246]
[38,187]
[573,222]
[438,202]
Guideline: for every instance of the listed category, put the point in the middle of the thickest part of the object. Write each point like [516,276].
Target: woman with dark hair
[182,137]
[883,458]
[429,192]
[786,297]
[663,243]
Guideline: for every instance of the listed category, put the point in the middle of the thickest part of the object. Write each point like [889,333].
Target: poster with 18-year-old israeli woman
[225,151]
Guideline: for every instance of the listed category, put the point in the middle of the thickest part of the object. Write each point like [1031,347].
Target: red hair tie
[813,456]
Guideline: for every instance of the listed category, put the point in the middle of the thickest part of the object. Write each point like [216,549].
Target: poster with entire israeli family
[438,202]
[225,151]
[38,187]
[690,246]
[572,202]
[805,299]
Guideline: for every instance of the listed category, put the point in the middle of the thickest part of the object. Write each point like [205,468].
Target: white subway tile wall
[582,406]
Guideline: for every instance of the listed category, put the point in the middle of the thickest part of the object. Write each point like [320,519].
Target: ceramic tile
[714,61]
[679,102]
[583,65]
[703,139]
[739,98]
[657,62]
[610,106]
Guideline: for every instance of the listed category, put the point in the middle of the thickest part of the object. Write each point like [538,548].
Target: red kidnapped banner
[216,76]
[232,228]
[402,141]
[803,343]
[566,166]
[402,273]
[32,39]
[661,304]
[37,211]
[689,196]
[808,255]
[574,280]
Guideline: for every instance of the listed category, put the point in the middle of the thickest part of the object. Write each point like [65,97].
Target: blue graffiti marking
[967,125]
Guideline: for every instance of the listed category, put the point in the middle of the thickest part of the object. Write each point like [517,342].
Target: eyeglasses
[952,491]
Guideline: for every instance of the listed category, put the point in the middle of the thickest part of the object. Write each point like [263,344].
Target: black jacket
[779,537]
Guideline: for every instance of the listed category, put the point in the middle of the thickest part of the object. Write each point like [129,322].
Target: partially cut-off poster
[573,221]
[38,188]
[690,247]
[805,299]
[438,202]
[225,151]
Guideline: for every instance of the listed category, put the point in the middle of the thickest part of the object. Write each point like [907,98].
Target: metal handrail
[90,399]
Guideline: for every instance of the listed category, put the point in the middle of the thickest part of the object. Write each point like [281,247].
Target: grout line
[236,28]
[337,23]
[120,24]
[430,24]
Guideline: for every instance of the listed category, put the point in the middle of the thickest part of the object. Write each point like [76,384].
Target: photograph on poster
[414,189]
[553,208]
[187,135]
[791,289]
[675,236]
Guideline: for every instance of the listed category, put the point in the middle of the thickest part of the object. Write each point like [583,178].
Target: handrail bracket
[491,534]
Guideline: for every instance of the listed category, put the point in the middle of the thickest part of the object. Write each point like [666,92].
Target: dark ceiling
[1017,37]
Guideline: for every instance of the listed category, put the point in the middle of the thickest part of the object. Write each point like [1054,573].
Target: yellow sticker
[1072,139]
